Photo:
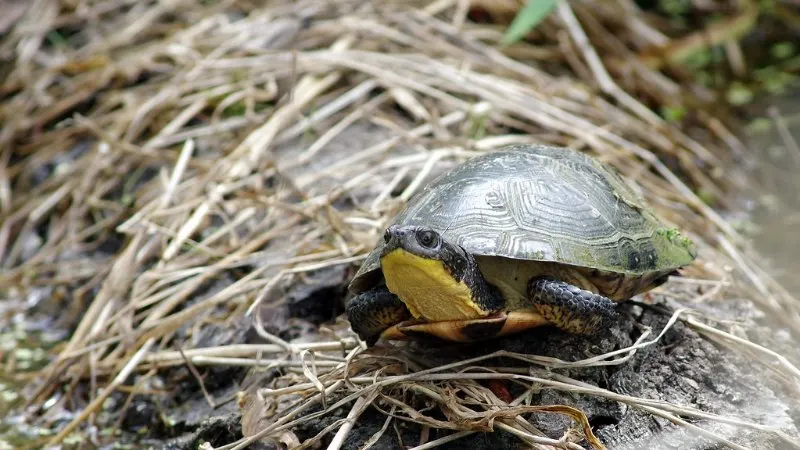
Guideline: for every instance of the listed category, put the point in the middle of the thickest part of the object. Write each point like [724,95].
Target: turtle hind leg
[569,307]
[373,311]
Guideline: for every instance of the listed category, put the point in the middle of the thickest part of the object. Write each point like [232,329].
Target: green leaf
[526,19]
[673,114]
[738,94]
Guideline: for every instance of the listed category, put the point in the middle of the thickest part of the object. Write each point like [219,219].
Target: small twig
[238,362]
[790,368]
[197,377]
[240,350]
[604,79]
[177,174]
[700,282]
[378,434]
[259,327]
[244,443]
[769,299]
[311,374]
[557,443]
[443,440]
[360,405]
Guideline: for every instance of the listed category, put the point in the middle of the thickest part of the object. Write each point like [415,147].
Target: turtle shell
[542,203]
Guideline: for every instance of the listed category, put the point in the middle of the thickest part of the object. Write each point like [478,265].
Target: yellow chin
[427,288]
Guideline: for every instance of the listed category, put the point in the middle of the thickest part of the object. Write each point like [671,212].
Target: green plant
[526,19]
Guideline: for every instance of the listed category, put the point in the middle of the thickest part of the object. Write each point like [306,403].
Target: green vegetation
[527,18]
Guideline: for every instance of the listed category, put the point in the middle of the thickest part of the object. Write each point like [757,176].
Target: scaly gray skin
[568,307]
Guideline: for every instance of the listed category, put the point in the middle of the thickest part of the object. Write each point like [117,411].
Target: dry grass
[197,136]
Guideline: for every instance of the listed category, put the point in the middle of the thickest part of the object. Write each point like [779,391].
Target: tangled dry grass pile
[167,165]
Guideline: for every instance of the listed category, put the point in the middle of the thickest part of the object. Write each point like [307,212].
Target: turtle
[520,237]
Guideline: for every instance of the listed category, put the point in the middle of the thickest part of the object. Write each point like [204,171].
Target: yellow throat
[427,288]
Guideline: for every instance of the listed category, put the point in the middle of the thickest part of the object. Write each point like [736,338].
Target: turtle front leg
[569,307]
[373,311]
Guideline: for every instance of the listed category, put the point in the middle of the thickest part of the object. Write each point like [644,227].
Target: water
[776,216]
[26,339]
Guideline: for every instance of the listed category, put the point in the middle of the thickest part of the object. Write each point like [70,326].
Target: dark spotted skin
[571,308]
[484,294]
[373,311]
[567,306]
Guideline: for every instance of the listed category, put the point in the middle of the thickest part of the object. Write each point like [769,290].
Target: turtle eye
[387,236]
[427,238]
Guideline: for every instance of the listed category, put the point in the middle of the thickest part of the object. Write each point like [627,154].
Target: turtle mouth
[466,330]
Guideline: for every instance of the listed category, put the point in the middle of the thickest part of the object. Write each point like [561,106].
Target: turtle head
[437,280]
[427,244]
